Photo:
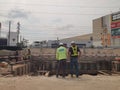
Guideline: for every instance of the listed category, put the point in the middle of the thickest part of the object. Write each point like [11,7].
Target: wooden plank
[102,72]
[18,66]
[42,72]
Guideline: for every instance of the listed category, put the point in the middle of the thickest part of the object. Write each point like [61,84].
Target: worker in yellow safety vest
[74,54]
[61,56]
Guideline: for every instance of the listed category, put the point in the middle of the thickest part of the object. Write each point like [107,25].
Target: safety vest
[75,51]
[61,53]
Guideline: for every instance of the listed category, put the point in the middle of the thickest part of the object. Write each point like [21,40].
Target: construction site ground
[84,82]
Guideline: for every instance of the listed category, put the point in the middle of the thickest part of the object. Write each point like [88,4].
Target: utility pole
[0,29]
[9,33]
[20,38]
[18,32]
[57,41]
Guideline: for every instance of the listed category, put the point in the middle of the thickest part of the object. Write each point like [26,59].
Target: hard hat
[60,43]
[72,42]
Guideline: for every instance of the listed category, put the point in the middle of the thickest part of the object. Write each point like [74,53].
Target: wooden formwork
[87,65]
[92,61]
[116,66]
[104,64]
[21,69]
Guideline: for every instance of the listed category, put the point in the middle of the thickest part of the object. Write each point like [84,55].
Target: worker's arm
[79,53]
[68,54]
[57,55]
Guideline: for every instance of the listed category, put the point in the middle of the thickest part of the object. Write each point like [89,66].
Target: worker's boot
[63,76]
[72,75]
[56,76]
[77,76]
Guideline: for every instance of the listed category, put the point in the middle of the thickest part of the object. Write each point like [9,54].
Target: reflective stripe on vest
[75,52]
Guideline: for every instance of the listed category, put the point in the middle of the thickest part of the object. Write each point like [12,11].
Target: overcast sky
[49,19]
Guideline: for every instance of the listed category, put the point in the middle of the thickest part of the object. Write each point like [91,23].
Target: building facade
[12,39]
[79,43]
[106,30]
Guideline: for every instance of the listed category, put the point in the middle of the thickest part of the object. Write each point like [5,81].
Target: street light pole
[0,29]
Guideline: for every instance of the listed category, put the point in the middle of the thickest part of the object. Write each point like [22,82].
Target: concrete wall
[99,26]
[97,43]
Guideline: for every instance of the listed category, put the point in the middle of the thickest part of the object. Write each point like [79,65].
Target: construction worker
[29,54]
[61,56]
[74,54]
[17,55]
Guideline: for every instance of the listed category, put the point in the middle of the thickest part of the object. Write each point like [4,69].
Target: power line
[36,26]
[28,33]
[54,5]
[56,26]
[36,33]
[62,13]
[52,35]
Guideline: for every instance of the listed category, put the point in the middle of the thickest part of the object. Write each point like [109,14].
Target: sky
[49,19]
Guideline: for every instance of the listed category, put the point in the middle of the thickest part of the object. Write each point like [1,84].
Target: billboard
[115,33]
[116,16]
[115,25]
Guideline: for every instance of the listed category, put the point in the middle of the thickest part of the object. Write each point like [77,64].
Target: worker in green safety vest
[61,56]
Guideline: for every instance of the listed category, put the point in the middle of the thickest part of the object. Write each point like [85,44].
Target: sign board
[115,33]
[115,25]
[116,16]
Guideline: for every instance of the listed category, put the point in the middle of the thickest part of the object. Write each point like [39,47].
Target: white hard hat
[60,43]
[72,42]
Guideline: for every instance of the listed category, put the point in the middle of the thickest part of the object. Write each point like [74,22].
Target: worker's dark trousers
[74,64]
[61,67]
